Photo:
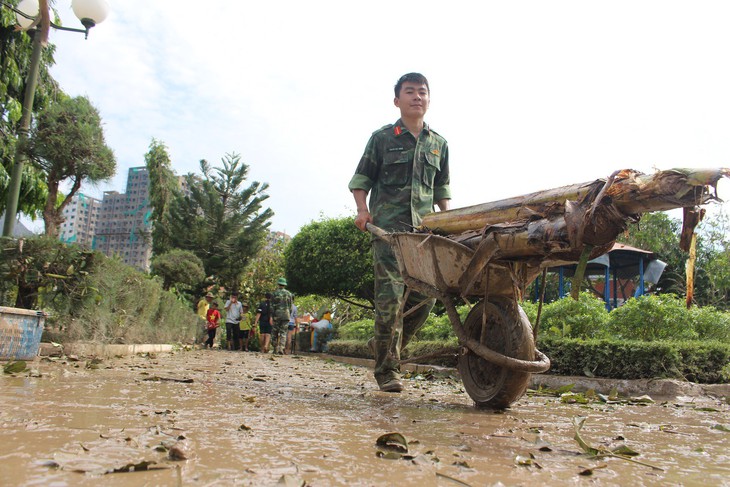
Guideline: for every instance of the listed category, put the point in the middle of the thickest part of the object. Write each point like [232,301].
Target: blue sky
[530,94]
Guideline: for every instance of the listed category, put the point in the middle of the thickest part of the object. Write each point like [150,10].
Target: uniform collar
[400,129]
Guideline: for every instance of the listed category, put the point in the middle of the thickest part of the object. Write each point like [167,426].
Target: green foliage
[42,272]
[67,143]
[260,275]
[330,257]
[659,233]
[584,318]
[89,296]
[652,317]
[221,220]
[127,307]
[178,267]
[712,280]
[697,361]
[710,323]
[357,330]
[15,53]
[530,309]
[163,188]
[439,328]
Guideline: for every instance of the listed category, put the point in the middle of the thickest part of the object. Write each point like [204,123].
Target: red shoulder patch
[397,130]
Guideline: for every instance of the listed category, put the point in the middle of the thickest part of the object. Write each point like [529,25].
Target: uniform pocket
[431,165]
[395,169]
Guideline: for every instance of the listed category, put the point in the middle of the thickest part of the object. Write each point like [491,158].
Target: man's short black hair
[417,78]
[268,295]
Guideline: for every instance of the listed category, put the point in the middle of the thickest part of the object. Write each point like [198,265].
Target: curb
[661,389]
[100,350]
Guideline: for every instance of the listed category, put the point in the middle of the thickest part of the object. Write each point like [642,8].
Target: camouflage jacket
[405,176]
[281,303]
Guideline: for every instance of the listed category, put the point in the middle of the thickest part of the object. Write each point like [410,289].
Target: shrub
[530,309]
[585,318]
[652,317]
[710,323]
[703,362]
[91,297]
[435,328]
[357,330]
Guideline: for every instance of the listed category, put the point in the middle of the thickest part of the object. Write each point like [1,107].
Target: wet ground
[224,418]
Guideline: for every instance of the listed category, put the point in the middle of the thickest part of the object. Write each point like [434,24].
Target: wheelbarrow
[488,254]
[497,353]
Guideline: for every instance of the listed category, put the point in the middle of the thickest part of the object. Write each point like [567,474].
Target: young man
[405,168]
[234,311]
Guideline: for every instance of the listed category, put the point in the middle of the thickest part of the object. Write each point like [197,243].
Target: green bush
[652,317]
[91,297]
[435,328]
[438,327]
[357,330]
[710,323]
[530,309]
[703,362]
[585,318]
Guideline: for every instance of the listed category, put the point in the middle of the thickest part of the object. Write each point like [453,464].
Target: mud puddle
[223,418]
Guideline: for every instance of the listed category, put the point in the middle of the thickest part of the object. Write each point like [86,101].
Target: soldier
[405,168]
[281,304]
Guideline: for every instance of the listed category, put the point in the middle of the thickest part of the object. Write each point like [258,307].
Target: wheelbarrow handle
[377,231]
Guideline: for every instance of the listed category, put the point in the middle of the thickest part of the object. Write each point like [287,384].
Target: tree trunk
[629,192]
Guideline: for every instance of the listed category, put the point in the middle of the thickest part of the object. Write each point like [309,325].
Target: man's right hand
[363,217]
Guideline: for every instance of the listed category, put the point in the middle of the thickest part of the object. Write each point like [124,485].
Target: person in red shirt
[212,317]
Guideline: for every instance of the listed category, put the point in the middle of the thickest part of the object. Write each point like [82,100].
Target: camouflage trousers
[278,335]
[392,335]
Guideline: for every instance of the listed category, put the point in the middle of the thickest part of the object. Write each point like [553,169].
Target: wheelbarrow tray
[434,265]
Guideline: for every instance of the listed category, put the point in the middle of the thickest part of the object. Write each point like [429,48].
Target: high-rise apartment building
[124,226]
[80,218]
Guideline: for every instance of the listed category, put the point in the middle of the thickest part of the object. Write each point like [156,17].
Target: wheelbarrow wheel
[508,332]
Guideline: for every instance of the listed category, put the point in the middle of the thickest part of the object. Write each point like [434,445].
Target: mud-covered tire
[508,332]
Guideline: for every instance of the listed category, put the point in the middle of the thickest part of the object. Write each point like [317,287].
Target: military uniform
[405,177]
[281,303]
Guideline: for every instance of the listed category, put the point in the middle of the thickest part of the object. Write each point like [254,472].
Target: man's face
[234,298]
[413,100]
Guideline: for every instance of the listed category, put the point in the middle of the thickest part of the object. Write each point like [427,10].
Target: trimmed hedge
[446,350]
[702,362]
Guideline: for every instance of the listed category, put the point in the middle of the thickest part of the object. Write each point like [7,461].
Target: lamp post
[90,13]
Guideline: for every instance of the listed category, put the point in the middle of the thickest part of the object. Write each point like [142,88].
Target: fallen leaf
[14,367]
[393,441]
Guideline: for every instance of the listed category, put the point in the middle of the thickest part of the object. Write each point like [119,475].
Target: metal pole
[11,207]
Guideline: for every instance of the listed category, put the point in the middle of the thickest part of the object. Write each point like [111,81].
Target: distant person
[212,319]
[202,311]
[245,327]
[281,304]
[292,329]
[234,311]
[263,318]
[321,332]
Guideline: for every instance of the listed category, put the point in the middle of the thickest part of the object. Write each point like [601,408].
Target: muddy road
[225,418]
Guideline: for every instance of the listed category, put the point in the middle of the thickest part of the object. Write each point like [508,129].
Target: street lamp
[90,13]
